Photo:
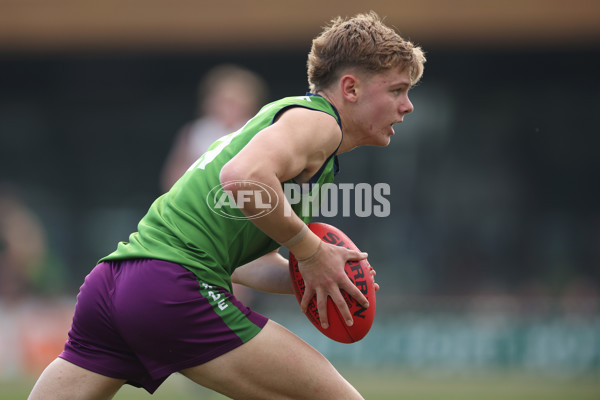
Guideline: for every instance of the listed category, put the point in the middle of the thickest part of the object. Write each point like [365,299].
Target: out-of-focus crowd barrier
[32,334]
[434,337]
[455,339]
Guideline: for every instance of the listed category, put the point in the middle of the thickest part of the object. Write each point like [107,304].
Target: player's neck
[347,138]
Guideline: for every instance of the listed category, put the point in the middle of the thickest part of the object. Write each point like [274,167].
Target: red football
[359,273]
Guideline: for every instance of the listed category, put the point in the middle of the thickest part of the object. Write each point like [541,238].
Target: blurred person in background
[162,302]
[228,96]
[27,267]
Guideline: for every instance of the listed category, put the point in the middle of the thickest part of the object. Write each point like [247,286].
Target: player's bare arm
[269,273]
[296,146]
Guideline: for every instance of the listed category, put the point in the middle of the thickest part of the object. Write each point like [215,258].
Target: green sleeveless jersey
[182,226]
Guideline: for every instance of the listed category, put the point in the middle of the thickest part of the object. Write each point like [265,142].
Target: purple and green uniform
[162,301]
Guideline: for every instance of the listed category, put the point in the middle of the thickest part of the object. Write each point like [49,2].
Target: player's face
[384,102]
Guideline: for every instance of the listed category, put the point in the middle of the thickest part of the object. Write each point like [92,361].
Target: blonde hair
[364,42]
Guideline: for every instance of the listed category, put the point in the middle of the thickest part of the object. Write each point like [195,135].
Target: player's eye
[401,90]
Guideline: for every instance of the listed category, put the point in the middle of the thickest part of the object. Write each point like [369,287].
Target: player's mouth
[392,131]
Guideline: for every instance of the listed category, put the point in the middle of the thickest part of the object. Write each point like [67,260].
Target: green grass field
[387,385]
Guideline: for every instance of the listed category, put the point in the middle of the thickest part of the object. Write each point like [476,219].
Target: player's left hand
[373,273]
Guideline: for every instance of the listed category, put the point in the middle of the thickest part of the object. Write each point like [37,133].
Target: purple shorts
[142,320]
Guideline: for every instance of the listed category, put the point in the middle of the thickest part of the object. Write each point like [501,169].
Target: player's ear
[349,86]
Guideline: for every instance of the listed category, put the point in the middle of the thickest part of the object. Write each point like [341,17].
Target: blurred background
[490,259]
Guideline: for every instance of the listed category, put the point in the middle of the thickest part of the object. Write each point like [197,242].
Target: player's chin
[383,141]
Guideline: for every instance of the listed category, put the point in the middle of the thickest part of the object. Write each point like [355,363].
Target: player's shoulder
[311,111]
[312,123]
[308,103]
[309,116]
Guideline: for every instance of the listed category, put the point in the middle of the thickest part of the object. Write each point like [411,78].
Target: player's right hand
[324,276]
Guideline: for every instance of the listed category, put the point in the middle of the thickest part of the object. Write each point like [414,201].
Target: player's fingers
[322,308]
[309,293]
[339,301]
[373,273]
[355,255]
[355,293]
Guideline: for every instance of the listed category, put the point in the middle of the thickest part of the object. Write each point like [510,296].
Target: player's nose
[406,106]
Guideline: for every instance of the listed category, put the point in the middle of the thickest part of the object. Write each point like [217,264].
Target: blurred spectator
[33,326]
[26,266]
[228,96]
